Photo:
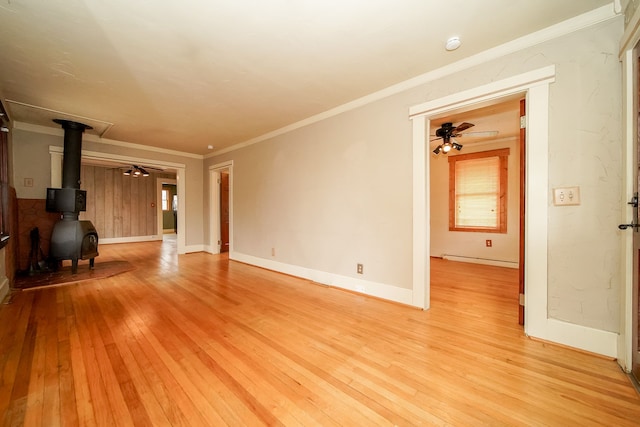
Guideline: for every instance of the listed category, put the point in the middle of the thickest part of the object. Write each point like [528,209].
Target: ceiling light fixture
[136,171]
[453,43]
[446,146]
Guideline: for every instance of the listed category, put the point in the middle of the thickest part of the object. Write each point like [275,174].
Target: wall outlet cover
[566,196]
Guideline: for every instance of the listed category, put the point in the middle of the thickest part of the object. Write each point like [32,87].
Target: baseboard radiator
[486,261]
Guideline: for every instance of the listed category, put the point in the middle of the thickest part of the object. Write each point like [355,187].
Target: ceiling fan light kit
[446,146]
[136,171]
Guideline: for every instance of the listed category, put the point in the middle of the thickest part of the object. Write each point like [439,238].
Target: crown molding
[577,23]
[94,138]
[117,158]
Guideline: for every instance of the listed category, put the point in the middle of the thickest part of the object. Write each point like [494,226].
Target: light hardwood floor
[198,340]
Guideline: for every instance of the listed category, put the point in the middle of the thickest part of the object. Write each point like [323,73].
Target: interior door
[636,288]
[634,227]
[224,212]
[523,163]
[636,247]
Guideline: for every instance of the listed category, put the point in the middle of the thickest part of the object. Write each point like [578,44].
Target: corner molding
[577,23]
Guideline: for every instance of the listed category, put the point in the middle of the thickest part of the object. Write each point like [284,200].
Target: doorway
[167,207]
[535,85]
[478,132]
[224,211]
[221,208]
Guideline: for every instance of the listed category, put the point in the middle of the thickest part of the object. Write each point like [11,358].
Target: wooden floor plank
[201,340]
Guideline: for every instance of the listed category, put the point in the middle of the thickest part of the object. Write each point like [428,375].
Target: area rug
[64,276]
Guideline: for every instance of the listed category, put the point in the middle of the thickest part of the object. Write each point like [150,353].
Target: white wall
[328,197]
[338,192]
[505,246]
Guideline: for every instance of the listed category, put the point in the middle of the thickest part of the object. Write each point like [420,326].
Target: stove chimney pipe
[72,152]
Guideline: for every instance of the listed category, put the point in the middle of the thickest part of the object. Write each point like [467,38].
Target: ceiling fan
[137,170]
[448,131]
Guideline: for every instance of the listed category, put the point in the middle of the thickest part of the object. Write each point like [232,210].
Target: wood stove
[71,239]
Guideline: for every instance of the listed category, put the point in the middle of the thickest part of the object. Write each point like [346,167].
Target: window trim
[503,155]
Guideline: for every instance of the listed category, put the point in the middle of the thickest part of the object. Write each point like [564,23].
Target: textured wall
[338,192]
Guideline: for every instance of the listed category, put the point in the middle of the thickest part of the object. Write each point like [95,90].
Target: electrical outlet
[566,196]
[360,269]
[488,243]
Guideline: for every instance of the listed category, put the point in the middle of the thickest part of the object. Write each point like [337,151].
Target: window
[165,200]
[478,191]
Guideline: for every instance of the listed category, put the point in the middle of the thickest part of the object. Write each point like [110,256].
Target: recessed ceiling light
[210,147]
[453,43]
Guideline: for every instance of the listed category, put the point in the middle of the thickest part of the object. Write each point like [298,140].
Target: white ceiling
[187,74]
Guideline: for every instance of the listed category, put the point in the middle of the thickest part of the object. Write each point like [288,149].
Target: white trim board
[534,86]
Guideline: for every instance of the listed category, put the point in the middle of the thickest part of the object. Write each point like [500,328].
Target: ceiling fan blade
[463,126]
[478,134]
[153,168]
[434,139]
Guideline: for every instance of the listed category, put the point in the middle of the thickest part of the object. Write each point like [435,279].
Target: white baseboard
[485,261]
[134,239]
[4,288]
[194,248]
[379,290]
[212,249]
[581,337]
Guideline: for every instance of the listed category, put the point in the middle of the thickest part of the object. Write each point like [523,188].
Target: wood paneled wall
[119,205]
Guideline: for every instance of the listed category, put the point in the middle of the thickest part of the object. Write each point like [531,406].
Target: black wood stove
[71,239]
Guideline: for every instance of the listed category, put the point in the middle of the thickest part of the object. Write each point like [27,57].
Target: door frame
[534,85]
[214,206]
[159,182]
[628,54]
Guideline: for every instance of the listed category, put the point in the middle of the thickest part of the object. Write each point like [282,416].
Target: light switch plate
[566,196]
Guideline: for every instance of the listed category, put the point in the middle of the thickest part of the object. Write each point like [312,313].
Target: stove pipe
[72,152]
